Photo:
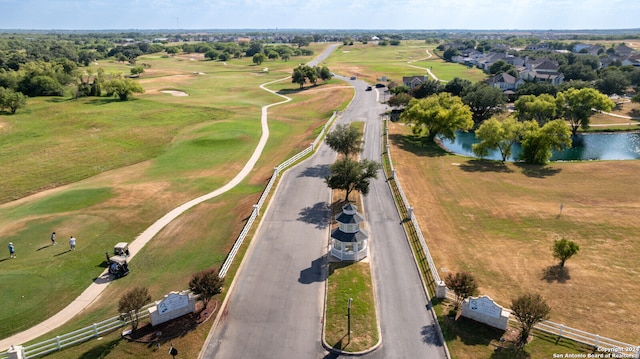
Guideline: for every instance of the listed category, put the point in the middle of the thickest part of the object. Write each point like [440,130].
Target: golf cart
[117,263]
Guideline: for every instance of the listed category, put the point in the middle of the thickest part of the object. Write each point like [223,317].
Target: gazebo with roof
[349,241]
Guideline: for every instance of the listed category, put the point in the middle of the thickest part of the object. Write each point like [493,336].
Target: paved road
[274,308]
[408,328]
[275,305]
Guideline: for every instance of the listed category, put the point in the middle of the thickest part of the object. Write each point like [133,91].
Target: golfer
[12,251]
[72,243]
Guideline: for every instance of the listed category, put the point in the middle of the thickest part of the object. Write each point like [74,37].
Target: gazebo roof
[349,208]
[341,236]
[350,218]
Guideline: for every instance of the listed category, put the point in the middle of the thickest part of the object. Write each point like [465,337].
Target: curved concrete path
[424,68]
[98,286]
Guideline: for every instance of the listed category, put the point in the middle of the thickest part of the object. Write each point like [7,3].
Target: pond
[591,146]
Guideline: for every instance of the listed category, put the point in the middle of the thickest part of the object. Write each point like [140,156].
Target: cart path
[424,68]
[98,286]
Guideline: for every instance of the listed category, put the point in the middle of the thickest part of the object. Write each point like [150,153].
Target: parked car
[368,88]
[379,85]
[353,77]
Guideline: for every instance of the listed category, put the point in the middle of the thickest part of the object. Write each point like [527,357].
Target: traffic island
[351,324]
[350,305]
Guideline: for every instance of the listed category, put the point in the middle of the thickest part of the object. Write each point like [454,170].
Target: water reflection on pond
[591,146]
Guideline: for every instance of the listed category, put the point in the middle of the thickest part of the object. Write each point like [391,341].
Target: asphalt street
[275,306]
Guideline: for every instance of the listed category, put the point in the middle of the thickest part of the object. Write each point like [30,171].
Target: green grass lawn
[371,62]
[128,163]
[350,280]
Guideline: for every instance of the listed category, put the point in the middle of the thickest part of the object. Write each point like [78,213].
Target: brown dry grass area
[362,73]
[499,222]
[623,109]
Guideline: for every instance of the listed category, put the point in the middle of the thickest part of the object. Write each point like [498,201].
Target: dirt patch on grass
[499,222]
[190,57]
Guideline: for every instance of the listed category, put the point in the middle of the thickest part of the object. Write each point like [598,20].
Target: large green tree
[324,73]
[122,88]
[344,139]
[348,175]
[529,309]
[577,106]
[539,142]
[501,135]
[438,115]
[612,81]
[259,58]
[541,108]
[299,76]
[564,249]
[457,86]
[311,73]
[428,88]
[484,101]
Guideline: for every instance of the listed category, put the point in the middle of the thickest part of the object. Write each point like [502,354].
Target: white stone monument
[174,305]
[484,310]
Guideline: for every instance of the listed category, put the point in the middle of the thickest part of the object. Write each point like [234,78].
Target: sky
[319,14]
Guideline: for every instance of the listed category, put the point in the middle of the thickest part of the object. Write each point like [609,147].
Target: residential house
[633,60]
[505,82]
[414,81]
[489,59]
[542,69]
[624,50]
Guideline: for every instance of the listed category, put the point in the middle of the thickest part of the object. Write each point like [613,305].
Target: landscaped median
[350,280]
[350,300]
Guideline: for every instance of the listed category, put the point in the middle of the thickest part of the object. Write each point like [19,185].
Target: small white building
[349,242]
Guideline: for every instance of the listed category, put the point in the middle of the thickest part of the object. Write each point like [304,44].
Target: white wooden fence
[256,207]
[607,345]
[81,335]
[109,325]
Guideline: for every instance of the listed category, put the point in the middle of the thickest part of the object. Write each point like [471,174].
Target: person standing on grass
[72,243]
[12,250]
[53,238]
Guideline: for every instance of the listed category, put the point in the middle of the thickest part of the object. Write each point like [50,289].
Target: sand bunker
[175,93]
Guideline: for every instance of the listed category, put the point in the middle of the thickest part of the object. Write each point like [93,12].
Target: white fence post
[597,338]
[95,329]
[561,329]
[58,342]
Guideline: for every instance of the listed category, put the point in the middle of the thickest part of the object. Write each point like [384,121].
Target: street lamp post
[349,319]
